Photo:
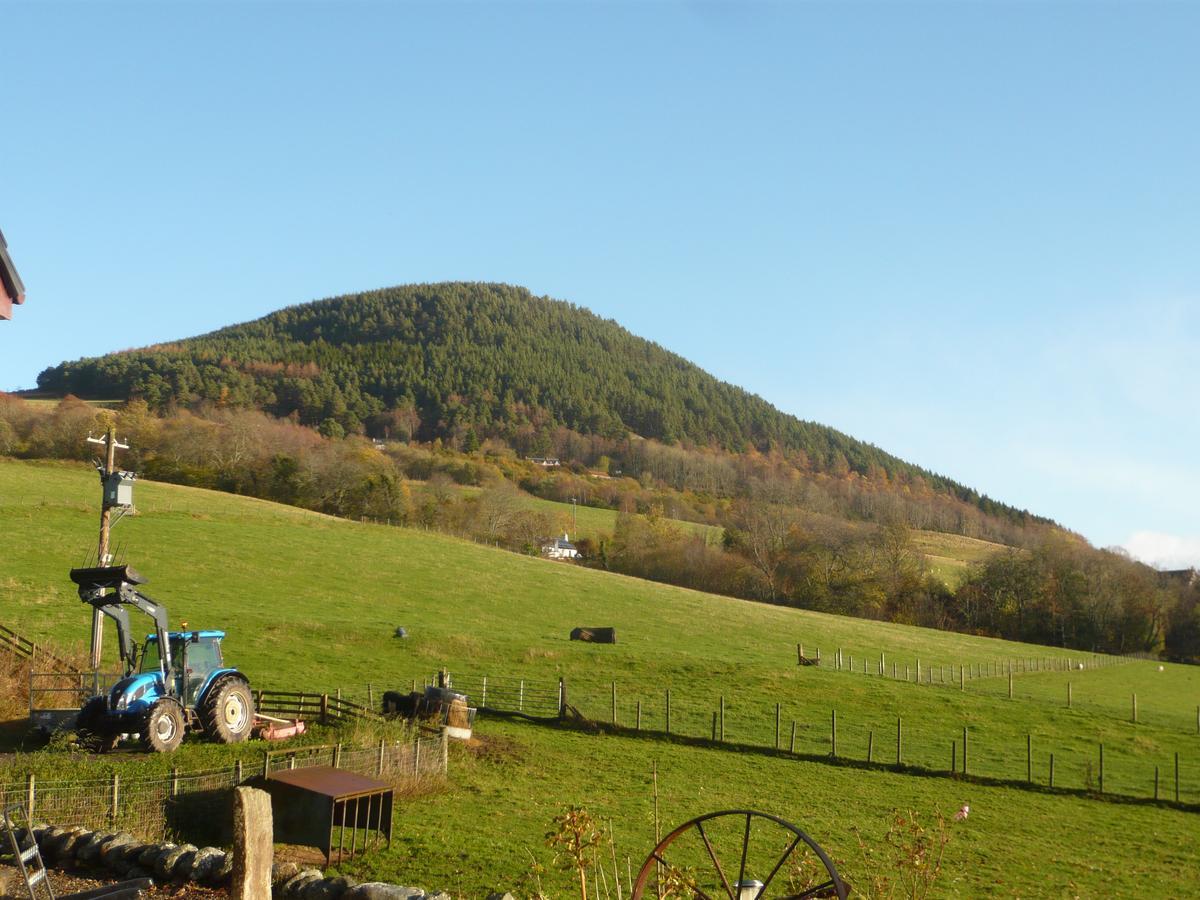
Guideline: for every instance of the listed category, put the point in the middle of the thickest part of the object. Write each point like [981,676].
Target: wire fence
[157,806]
[1005,752]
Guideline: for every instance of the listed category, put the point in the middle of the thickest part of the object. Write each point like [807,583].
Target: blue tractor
[175,682]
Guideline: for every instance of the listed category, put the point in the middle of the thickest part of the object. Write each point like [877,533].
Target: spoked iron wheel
[738,855]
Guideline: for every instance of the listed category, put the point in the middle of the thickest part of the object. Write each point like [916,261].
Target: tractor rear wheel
[89,725]
[162,731]
[228,711]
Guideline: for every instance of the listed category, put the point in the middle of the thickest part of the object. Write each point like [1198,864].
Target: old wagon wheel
[738,854]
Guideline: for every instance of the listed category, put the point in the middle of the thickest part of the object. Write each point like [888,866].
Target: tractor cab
[195,657]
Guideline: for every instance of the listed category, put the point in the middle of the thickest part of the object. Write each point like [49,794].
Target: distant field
[314,601]
[951,556]
[46,401]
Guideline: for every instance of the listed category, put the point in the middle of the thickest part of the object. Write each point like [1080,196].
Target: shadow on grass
[578,723]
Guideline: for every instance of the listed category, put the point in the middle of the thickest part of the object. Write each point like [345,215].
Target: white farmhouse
[560,548]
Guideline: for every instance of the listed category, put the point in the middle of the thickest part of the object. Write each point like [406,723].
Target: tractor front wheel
[228,711]
[162,731]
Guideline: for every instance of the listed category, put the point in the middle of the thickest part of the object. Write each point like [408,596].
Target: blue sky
[966,232]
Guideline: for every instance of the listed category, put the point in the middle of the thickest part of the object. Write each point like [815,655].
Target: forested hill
[466,361]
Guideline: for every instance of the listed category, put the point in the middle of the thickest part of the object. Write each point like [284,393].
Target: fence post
[337,755]
[833,733]
[871,745]
[1051,770]
[722,718]
[175,781]
[417,757]
[799,654]
[776,726]
[899,740]
[1156,782]
[30,795]
[638,726]
[668,710]
[266,763]
[483,699]
[962,679]
[893,670]
[324,708]
[116,795]
[792,745]
[521,697]
[1135,709]
[370,695]
[818,656]
[882,664]
[965,745]
[1176,776]
[714,726]
[1010,683]
[614,703]
[953,760]
[379,758]
[1029,758]
[918,670]
[237,772]
[561,701]
[1068,695]
[1102,768]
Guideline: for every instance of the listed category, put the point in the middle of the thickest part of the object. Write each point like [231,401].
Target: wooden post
[30,795]
[116,798]
[562,698]
[174,781]
[668,710]
[1135,709]
[1176,776]
[324,708]
[818,656]
[417,757]
[906,671]
[899,740]
[237,772]
[1051,770]
[965,745]
[871,746]
[953,761]
[614,703]
[1029,758]
[370,696]
[833,733]
[776,726]
[792,745]
[962,679]
[638,726]
[882,665]
[483,699]
[714,727]
[1102,768]
[918,670]
[337,755]
[521,696]
[1156,782]
[722,718]
[799,654]
[1068,695]
[893,670]
[379,758]
[1010,683]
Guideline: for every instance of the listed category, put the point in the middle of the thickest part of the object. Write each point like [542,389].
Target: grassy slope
[314,600]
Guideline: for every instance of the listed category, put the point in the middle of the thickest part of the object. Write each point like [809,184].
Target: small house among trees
[561,548]
[12,291]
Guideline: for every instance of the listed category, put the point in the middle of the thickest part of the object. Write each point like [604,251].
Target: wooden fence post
[116,795]
[379,758]
[614,703]
[871,745]
[833,733]
[962,679]
[776,726]
[370,695]
[1068,695]
[237,772]
[965,745]
[1010,684]
[1102,768]
[714,726]
[521,697]
[918,670]
[638,725]
[1176,776]
[953,761]
[175,781]
[30,795]
[1135,709]
[324,708]
[1156,782]
[1029,758]
[792,745]
[337,755]
[417,757]
[722,718]
[899,740]
[799,654]
[893,670]
[818,656]
[1051,770]
[668,710]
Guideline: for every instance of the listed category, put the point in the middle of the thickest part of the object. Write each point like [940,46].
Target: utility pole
[111,498]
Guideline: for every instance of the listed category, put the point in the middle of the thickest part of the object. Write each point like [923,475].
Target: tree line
[838,545]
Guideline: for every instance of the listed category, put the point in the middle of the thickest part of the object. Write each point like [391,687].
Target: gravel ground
[68,881]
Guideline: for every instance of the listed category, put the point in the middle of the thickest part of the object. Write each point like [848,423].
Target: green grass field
[313,601]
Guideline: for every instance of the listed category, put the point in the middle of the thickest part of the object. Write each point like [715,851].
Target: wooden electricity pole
[107,502]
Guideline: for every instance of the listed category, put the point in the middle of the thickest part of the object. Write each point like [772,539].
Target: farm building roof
[12,289]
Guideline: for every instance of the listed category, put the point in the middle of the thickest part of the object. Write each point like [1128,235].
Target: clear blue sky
[966,232]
